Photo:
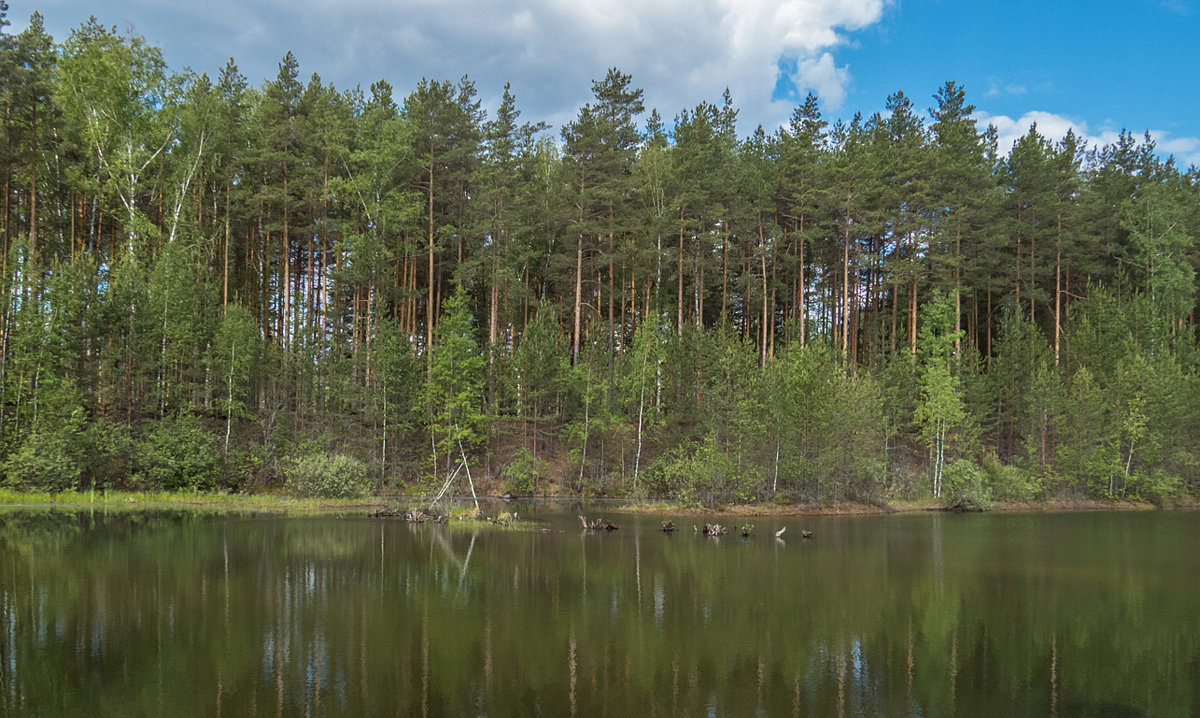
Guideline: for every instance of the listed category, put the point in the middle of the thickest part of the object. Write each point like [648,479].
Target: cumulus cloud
[1186,150]
[822,75]
[1051,126]
[679,51]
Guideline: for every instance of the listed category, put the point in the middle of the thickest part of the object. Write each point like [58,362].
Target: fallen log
[412,516]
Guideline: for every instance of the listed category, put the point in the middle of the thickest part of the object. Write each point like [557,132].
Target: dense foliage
[328,476]
[201,279]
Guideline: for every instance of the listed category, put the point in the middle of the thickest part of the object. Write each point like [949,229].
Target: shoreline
[909,507]
[279,503]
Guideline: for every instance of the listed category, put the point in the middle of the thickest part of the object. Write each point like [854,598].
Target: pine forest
[212,285]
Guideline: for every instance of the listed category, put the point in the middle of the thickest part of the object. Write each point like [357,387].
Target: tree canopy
[833,309]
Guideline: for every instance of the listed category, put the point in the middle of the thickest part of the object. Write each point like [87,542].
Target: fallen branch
[412,516]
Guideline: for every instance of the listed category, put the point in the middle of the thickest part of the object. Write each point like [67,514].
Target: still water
[140,613]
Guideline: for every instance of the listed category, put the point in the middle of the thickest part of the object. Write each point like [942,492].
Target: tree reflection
[1004,615]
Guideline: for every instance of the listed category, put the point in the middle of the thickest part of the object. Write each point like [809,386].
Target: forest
[212,285]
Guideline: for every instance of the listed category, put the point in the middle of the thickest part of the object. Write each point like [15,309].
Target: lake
[176,613]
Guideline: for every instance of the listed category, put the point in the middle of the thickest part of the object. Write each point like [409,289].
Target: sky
[1096,67]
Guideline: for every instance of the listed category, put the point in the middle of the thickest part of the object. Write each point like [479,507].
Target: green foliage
[180,454]
[46,461]
[701,474]
[1156,225]
[523,471]
[234,352]
[941,408]
[826,431]
[330,476]
[1006,482]
[1156,486]
[454,391]
[109,448]
[965,488]
[540,363]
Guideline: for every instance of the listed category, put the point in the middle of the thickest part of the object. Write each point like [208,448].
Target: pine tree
[804,198]
[444,136]
[963,175]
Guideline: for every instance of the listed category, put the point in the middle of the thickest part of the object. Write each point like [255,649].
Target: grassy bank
[195,500]
[300,506]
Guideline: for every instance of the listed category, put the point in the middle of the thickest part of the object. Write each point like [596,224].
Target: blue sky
[1099,66]
[1096,67]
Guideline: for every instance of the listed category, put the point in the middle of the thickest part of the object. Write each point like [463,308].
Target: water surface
[173,613]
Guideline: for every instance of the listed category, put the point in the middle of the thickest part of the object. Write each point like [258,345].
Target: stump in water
[806,534]
[668,526]
[747,529]
[598,525]
[715,530]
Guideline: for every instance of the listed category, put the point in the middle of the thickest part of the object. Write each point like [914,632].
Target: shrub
[109,448]
[1157,487]
[965,490]
[523,472]
[701,474]
[45,461]
[180,454]
[1010,483]
[330,476]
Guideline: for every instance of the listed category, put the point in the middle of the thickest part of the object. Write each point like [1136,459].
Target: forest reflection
[135,613]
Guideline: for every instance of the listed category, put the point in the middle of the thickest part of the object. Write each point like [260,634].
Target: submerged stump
[598,524]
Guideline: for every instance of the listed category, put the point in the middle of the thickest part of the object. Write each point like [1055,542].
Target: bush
[1157,487]
[523,472]
[46,461]
[181,455]
[965,490]
[329,476]
[701,474]
[109,448]
[1010,483]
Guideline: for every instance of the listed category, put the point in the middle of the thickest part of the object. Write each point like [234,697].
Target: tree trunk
[578,301]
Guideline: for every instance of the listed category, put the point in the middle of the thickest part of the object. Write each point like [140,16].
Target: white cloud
[679,51]
[822,75]
[1051,126]
[1186,150]
[996,87]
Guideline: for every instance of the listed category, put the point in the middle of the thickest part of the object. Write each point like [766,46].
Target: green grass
[222,502]
[186,499]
